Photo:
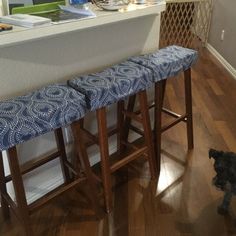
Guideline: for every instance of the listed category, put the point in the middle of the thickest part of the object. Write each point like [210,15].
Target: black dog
[225,179]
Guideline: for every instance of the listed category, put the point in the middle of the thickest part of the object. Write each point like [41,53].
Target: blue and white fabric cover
[112,84]
[39,112]
[167,62]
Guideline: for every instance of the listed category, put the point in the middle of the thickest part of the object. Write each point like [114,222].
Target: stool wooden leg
[120,126]
[3,190]
[188,104]
[127,122]
[82,156]
[75,159]
[104,151]
[18,185]
[63,158]
[159,97]
[147,132]
[163,87]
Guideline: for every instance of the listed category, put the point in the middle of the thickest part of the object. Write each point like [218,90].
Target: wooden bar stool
[111,86]
[166,63]
[32,115]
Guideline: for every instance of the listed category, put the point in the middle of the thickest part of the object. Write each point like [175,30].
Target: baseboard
[44,189]
[225,63]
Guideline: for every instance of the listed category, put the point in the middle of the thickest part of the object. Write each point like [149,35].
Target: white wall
[224,18]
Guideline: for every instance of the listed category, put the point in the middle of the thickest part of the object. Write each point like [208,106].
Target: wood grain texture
[184,202]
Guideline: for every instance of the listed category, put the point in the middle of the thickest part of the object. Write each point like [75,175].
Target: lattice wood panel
[185,23]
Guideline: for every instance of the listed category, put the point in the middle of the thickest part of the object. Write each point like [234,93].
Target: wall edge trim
[222,60]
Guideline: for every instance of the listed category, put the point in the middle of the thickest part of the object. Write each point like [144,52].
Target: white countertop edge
[22,35]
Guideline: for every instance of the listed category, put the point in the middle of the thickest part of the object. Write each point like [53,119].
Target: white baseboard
[43,189]
[225,63]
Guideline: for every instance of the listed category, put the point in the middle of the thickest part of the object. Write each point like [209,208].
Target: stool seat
[38,112]
[112,84]
[167,62]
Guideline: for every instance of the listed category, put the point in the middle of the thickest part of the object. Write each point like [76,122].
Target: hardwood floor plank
[215,87]
[227,135]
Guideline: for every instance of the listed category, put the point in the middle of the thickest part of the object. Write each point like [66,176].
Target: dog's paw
[222,210]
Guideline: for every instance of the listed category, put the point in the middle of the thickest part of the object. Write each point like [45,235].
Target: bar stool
[166,63]
[110,86]
[32,115]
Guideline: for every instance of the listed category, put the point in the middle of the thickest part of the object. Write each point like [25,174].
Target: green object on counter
[39,8]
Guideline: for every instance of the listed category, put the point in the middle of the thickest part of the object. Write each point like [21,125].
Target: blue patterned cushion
[38,112]
[167,62]
[112,84]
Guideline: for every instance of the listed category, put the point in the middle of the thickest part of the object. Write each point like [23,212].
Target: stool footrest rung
[136,130]
[36,164]
[52,194]
[151,105]
[171,113]
[90,136]
[94,137]
[112,131]
[171,124]
[128,159]
[165,110]
[70,166]
[132,146]
[133,116]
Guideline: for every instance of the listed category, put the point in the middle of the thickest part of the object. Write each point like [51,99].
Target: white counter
[22,35]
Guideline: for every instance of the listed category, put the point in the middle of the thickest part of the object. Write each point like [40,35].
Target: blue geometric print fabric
[167,62]
[112,84]
[39,112]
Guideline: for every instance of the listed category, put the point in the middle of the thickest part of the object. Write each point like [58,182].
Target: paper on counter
[86,12]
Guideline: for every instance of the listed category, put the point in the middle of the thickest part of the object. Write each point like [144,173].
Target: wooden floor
[184,202]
